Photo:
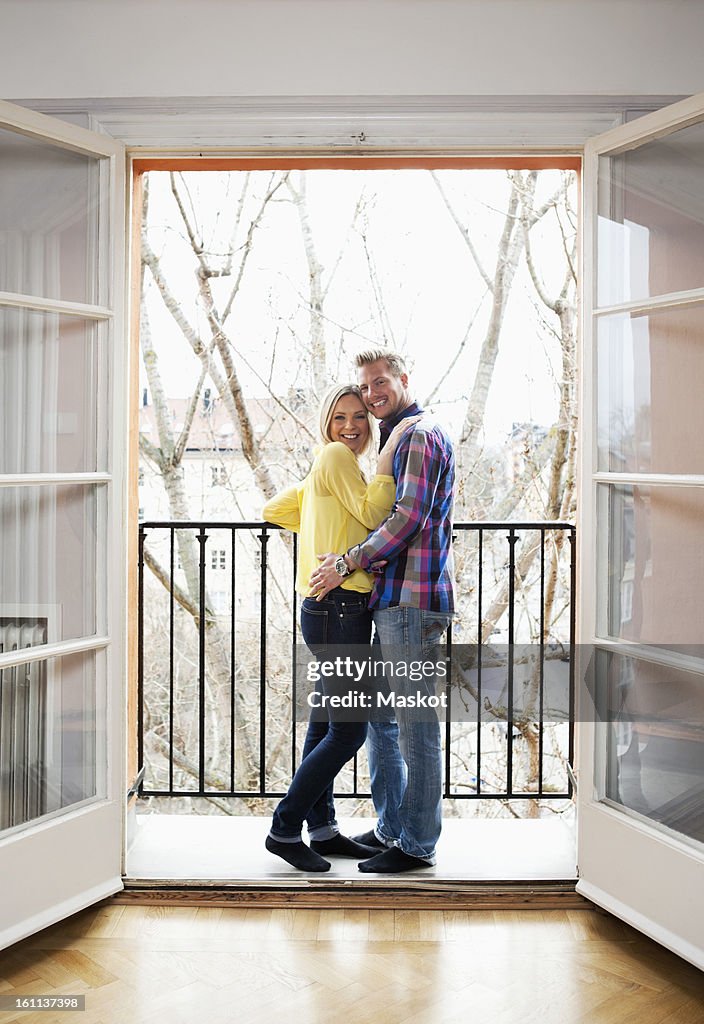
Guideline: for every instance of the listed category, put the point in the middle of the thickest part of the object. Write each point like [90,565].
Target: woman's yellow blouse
[332,510]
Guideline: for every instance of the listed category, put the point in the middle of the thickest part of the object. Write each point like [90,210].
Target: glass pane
[50,390]
[48,559]
[651,219]
[650,383]
[52,732]
[654,736]
[48,220]
[651,562]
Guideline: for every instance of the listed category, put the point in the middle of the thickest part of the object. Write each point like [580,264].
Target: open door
[62,540]
[641,713]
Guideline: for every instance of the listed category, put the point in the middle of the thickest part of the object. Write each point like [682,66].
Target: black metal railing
[214,637]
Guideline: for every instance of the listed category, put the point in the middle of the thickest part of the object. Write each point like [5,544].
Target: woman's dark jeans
[341,618]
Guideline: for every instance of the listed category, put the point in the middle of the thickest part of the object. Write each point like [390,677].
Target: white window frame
[463,126]
[83,842]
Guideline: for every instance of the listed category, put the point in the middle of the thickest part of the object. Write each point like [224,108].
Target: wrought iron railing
[215,774]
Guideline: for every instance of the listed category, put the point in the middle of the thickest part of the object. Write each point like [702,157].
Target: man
[413,601]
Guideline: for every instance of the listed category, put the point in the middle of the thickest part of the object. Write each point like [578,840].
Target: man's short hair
[392,359]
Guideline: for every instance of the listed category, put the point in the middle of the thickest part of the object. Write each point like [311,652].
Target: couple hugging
[388,563]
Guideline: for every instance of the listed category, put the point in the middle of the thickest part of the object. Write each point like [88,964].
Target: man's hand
[326,578]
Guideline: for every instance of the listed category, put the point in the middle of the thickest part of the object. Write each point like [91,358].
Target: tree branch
[188,420]
[458,353]
[180,596]
[238,221]
[151,451]
[247,247]
[196,244]
[200,349]
[183,762]
[386,328]
[464,232]
[318,352]
[537,283]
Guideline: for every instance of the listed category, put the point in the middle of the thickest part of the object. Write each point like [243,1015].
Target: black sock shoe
[341,846]
[393,861]
[297,854]
[370,839]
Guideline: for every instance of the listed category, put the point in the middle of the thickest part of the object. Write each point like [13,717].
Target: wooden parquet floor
[167,965]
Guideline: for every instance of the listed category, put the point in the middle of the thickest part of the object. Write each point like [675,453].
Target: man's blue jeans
[342,618]
[405,759]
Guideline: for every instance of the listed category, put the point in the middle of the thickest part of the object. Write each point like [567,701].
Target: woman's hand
[399,430]
[386,455]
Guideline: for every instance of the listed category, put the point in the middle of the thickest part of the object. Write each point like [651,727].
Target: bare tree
[167,457]
[545,482]
[548,471]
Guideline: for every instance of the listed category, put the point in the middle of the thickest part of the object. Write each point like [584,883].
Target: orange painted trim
[512,162]
[133,481]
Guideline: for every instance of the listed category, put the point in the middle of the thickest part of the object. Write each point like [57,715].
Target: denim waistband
[339,597]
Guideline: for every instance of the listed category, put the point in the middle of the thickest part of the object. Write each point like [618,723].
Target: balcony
[218,737]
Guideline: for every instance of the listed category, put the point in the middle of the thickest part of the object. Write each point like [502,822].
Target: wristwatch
[341,566]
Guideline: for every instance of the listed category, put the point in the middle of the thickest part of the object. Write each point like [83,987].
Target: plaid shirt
[415,540]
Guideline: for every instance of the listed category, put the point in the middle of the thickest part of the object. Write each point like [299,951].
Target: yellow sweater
[332,509]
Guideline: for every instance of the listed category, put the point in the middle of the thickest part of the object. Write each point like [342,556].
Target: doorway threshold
[480,862]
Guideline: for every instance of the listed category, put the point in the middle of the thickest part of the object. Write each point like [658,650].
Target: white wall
[102,48]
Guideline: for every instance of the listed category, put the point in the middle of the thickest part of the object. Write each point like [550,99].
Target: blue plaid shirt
[415,540]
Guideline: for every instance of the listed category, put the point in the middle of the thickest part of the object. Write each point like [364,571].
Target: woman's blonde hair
[327,408]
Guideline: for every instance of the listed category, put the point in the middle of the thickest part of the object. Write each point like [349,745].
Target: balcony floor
[226,850]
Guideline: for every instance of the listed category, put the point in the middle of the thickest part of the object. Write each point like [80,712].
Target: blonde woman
[332,509]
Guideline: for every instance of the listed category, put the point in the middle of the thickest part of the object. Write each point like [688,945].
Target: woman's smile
[349,423]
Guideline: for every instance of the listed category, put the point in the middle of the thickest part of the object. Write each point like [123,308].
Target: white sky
[429,283]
